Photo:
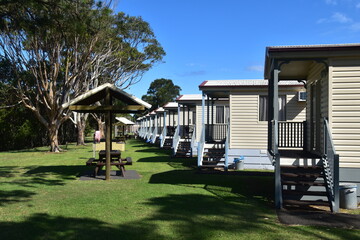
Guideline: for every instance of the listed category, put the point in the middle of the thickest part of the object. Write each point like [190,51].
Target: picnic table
[116,160]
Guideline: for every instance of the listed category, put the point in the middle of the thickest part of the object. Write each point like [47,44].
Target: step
[305,203]
[303,183]
[307,193]
[212,166]
[212,162]
[302,175]
[183,151]
[294,167]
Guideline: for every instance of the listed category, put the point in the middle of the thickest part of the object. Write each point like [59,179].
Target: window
[263,108]
[222,114]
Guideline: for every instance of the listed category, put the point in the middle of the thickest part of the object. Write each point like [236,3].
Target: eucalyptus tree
[60,48]
[130,49]
[53,42]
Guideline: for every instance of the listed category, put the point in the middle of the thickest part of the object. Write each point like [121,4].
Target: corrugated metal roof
[319,46]
[245,83]
[190,97]
[160,109]
[171,105]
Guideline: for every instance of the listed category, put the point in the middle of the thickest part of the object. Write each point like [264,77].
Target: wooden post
[203,118]
[108,135]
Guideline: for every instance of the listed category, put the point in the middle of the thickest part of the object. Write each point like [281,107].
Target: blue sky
[226,39]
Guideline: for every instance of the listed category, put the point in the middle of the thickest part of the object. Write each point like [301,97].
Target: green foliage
[160,92]
[55,50]
[19,129]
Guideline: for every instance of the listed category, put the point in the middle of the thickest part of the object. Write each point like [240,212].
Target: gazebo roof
[86,102]
[124,121]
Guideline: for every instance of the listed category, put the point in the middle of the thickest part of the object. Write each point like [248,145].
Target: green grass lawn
[42,198]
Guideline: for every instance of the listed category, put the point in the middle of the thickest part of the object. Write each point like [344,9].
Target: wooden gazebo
[106,94]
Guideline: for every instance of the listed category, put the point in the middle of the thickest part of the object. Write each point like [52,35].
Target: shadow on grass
[64,172]
[40,175]
[14,196]
[154,150]
[186,216]
[254,187]
[177,163]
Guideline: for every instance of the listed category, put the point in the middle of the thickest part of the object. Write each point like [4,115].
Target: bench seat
[119,163]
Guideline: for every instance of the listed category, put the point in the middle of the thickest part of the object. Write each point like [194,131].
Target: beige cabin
[332,136]
[246,115]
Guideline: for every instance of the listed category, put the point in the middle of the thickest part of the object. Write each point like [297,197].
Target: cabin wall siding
[345,117]
[246,131]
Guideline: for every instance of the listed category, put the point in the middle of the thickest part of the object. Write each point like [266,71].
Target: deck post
[203,118]
[275,114]
[208,118]
[336,183]
[108,124]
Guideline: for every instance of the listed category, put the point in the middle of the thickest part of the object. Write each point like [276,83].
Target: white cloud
[340,18]
[255,68]
[336,17]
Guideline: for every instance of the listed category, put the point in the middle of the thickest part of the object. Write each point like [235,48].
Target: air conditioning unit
[302,96]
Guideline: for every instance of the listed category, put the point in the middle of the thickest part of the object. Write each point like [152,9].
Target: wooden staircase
[303,186]
[168,143]
[184,149]
[214,157]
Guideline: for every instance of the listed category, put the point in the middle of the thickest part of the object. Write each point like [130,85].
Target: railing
[193,139]
[159,130]
[185,131]
[170,131]
[149,133]
[215,132]
[153,135]
[292,134]
[330,162]
[143,132]
[227,147]
[201,146]
[176,139]
[163,137]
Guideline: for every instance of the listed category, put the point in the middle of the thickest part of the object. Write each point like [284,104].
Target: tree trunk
[53,136]
[81,124]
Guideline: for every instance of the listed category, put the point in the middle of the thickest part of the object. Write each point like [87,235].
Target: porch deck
[298,154]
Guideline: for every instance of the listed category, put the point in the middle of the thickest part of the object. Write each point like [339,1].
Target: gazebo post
[108,135]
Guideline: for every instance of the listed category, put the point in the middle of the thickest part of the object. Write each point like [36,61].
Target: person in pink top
[97,136]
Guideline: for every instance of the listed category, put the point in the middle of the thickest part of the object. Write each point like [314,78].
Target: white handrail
[193,138]
[227,147]
[201,146]
[176,139]
[163,137]
[153,137]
